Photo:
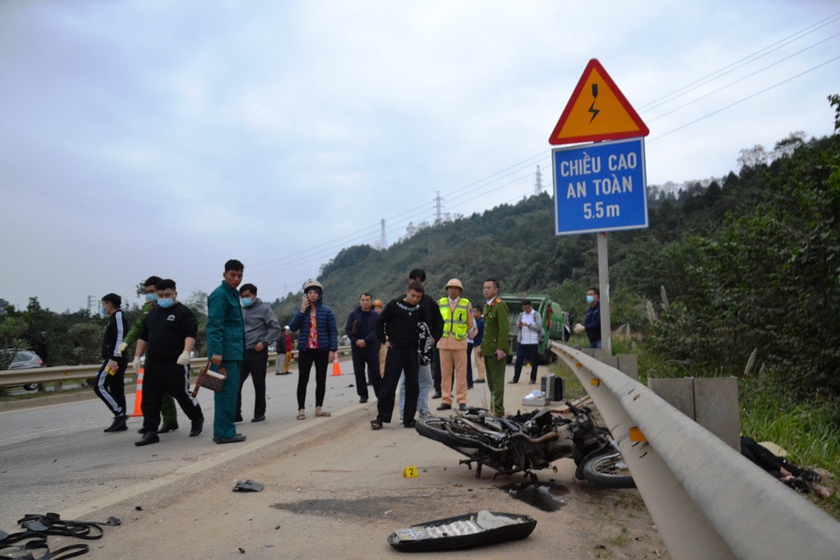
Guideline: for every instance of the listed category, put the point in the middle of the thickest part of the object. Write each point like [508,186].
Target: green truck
[555,322]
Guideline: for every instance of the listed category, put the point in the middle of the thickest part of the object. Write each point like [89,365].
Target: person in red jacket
[285,347]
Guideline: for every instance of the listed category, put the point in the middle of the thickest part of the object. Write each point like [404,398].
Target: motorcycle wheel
[436,428]
[608,471]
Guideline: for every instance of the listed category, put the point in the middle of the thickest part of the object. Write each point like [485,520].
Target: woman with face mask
[317,344]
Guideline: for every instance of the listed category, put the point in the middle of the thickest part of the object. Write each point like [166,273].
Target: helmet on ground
[454,283]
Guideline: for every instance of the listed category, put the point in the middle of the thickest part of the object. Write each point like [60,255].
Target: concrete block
[679,393]
[629,365]
[716,408]
[611,361]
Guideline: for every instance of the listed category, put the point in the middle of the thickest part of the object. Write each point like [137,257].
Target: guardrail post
[711,402]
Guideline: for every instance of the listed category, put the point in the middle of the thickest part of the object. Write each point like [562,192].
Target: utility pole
[538,188]
[383,240]
[91,305]
[437,208]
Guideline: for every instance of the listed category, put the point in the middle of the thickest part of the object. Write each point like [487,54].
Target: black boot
[118,425]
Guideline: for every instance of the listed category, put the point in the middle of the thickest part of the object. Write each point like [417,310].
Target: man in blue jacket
[593,317]
[361,329]
[226,348]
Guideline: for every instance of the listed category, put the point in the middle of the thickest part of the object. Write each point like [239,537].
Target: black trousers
[527,353]
[111,388]
[166,377]
[369,357]
[398,361]
[255,364]
[306,358]
[436,371]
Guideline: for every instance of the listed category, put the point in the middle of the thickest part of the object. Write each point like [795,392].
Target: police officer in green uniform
[226,348]
[494,345]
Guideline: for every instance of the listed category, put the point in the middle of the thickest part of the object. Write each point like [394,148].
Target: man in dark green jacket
[226,348]
[494,345]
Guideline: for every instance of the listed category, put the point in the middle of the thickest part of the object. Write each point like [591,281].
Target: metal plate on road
[600,187]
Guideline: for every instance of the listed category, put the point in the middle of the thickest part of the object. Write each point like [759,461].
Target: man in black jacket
[435,322]
[396,328]
[110,384]
[361,329]
[168,333]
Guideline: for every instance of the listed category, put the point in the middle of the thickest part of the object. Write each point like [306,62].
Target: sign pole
[599,187]
[604,286]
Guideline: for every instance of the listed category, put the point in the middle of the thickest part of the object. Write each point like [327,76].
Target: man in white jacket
[530,334]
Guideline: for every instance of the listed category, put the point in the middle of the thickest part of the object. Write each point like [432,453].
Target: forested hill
[516,245]
[513,243]
[746,262]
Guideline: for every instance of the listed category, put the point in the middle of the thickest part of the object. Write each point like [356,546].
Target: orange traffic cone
[336,368]
[138,396]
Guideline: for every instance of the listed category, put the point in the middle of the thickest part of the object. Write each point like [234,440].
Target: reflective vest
[455,322]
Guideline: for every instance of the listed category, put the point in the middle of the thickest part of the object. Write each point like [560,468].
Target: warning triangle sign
[597,111]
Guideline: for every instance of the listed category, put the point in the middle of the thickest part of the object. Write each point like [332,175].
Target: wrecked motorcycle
[532,441]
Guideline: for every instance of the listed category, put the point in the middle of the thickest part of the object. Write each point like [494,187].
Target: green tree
[12,330]
[197,302]
[86,339]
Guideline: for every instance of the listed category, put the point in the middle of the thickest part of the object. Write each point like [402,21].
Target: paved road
[333,487]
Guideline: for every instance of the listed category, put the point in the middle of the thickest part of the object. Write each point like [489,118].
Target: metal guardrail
[60,375]
[706,499]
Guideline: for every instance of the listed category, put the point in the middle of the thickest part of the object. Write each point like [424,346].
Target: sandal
[376,424]
[323,414]
[301,416]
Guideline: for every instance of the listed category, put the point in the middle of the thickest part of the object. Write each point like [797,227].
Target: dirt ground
[337,490]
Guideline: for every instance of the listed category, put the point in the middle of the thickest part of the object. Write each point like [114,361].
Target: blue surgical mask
[166,302]
[151,297]
[102,312]
[590,299]
[246,302]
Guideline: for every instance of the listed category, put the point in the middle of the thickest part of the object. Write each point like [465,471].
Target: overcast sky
[159,137]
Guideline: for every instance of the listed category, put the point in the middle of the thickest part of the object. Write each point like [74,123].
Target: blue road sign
[600,187]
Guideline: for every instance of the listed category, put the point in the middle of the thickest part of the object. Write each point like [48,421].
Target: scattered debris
[463,531]
[247,486]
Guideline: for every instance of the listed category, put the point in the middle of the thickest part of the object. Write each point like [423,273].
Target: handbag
[210,379]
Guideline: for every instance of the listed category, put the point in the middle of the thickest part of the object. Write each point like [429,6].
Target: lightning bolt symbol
[592,108]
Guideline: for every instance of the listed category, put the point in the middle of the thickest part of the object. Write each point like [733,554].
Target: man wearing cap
[457,325]
[529,336]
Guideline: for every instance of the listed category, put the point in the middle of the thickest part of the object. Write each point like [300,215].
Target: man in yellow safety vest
[457,325]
